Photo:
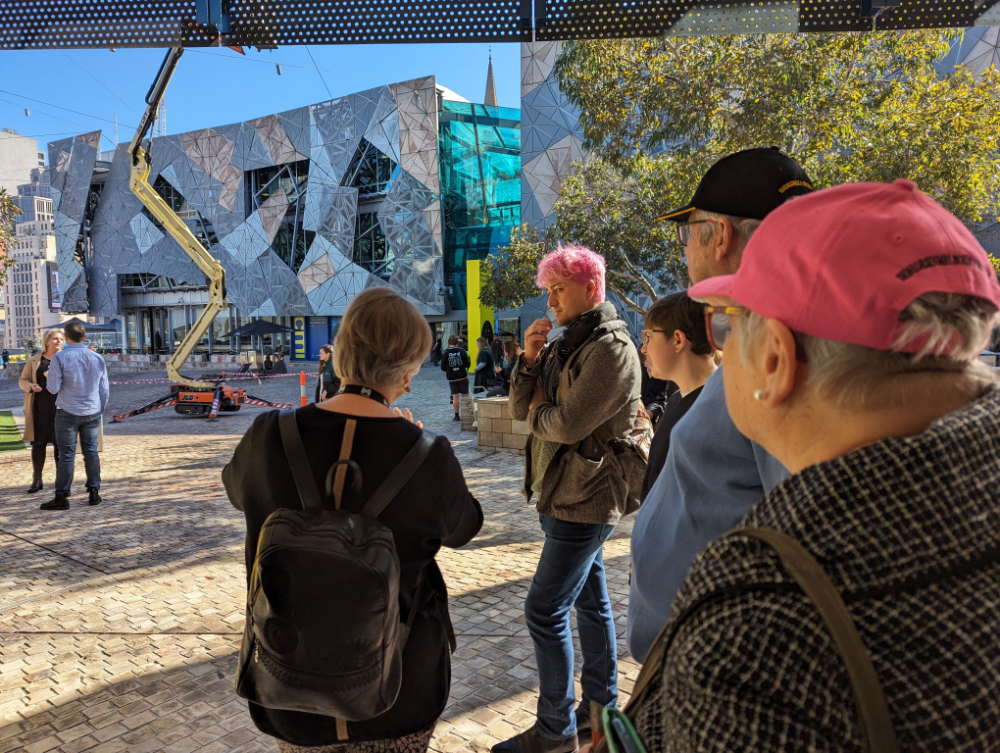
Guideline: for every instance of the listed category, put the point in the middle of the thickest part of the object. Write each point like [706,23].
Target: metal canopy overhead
[75,24]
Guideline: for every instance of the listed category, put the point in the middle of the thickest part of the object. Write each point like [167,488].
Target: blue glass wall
[480,149]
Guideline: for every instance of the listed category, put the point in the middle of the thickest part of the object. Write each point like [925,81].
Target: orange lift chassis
[203,396]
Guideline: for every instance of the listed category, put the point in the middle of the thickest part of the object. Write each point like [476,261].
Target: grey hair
[743,228]
[852,376]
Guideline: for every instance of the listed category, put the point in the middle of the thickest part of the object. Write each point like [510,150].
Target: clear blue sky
[216,86]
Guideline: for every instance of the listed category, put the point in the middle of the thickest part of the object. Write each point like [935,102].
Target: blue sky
[216,86]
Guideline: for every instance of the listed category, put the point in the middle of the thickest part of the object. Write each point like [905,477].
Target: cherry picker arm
[139,183]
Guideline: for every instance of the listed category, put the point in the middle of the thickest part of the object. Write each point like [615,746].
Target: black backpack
[323,633]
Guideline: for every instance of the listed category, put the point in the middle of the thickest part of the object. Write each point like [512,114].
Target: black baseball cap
[750,184]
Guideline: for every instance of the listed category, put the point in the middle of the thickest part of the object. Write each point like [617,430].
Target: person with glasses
[863,379]
[713,474]
[677,349]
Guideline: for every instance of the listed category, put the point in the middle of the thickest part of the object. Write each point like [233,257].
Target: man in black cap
[713,474]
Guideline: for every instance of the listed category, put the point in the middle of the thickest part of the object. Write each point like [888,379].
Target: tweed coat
[908,529]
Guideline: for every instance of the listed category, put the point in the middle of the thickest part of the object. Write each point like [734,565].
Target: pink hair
[576,263]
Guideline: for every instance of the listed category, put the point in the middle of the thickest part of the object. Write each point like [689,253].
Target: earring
[407,389]
[759,395]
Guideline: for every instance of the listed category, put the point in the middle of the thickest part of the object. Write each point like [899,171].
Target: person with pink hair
[579,395]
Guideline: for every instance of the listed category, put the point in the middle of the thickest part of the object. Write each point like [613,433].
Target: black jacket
[455,364]
[434,509]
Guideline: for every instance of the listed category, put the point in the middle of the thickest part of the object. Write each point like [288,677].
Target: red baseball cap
[843,263]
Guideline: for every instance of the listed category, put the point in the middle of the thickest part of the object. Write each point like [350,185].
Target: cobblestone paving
[120,624]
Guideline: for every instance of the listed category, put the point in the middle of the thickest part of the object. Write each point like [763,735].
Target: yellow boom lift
[204,395]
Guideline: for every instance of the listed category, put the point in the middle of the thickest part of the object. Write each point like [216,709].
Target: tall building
[31,294]
[19,155]
[394,186]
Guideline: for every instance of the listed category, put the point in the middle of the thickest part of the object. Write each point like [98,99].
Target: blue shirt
[713,475]
[79,378]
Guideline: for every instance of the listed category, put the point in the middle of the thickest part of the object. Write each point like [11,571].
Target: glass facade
[480,149]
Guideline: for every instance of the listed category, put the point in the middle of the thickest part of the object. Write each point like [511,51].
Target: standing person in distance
[713,474]
[40,406]
[497,347]
[328,381]
[676,346]
[79,378]
[578,394]
[484,366]
[437,349]
[455,364]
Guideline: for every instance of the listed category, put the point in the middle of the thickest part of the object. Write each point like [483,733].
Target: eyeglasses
[718,325]
[684,229]
[647,334]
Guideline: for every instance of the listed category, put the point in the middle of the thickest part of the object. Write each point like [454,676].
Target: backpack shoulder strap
[399,476]
[295,453]
[872,707]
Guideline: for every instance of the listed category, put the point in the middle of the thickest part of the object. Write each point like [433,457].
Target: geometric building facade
[304,208]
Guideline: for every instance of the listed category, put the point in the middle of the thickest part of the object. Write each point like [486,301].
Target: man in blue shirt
[713,474]
[79,378]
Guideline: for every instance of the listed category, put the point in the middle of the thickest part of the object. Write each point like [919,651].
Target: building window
[371,250]
[290,241]
[370,172]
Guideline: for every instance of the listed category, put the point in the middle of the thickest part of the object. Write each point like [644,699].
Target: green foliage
[508,274]
[656,113]
[8,211]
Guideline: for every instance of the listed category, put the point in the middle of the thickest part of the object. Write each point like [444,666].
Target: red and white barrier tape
[266,404]
[215,405]
[236,376]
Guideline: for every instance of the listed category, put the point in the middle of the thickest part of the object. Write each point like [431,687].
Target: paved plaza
[120,624]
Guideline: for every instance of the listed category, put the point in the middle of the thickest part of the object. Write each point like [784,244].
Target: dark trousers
[38,457]
[67,427]
[571,573]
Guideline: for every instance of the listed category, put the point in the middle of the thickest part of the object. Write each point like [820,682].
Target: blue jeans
[67,427]
[571,572]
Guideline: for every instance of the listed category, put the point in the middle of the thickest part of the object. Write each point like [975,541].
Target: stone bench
[496,430]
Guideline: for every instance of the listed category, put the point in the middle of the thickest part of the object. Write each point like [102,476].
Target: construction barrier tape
[266,404]
[233,377]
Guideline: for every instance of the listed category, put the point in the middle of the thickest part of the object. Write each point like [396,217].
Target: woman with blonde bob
[381,343]
[40,406]
[851,333]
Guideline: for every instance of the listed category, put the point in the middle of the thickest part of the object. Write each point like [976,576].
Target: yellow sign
[299,338]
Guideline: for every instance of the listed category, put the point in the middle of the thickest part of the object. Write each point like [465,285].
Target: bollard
[302,386]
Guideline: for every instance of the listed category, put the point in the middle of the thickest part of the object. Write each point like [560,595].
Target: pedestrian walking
[5,357]
[713,474]
[677,350]
[455,364]
[40,406]
[327,383]
[484,367]
[79,378]
[436,350]
[382,342]
[497,348]
[863,379]
[580,396]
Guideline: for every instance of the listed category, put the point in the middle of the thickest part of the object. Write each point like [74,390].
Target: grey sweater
[584,482]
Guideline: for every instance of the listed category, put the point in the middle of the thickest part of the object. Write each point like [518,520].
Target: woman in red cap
[857,607]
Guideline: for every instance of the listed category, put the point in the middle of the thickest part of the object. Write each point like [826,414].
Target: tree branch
[625,299]
[639,277]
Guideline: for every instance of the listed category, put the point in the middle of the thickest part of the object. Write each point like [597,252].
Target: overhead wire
[288,65]
[56,117]
[59,107]
[318,71]
[102,84]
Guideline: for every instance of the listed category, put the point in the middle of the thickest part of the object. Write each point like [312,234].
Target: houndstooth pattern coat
[908,529]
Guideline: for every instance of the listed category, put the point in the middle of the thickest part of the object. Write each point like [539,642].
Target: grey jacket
[584,483]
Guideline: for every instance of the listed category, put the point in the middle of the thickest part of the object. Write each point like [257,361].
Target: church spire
[491,90]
